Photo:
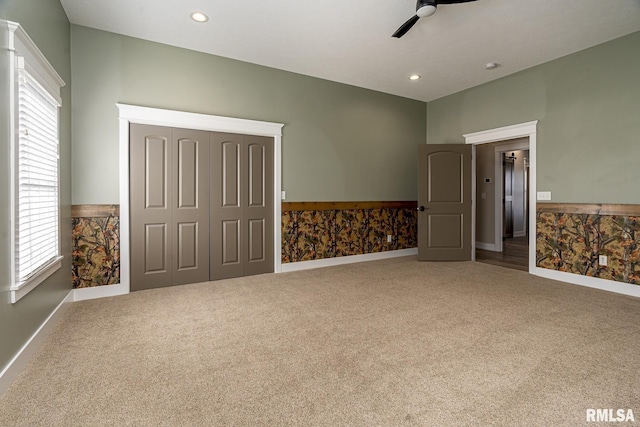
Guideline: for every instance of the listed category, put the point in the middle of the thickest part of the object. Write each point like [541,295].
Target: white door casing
[159,117]
[522,130]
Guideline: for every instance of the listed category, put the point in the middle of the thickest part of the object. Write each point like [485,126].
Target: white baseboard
[22,357]
[519,233]
[486,246]
[330,262]
[81,294]
[590,282]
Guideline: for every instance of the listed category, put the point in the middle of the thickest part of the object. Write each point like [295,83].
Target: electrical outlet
[389,238]
[603,260]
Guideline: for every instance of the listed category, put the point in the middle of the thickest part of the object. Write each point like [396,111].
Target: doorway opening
[488,231]
[502,180]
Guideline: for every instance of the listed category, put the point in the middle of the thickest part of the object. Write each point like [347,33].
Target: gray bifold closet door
[169,206]
[201,206]
[241,205]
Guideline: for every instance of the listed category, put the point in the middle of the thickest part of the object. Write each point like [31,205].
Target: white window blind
[37,225]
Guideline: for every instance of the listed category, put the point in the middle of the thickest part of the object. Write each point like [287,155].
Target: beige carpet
[385,343]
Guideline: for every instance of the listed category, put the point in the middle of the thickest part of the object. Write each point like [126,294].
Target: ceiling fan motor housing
[426,8]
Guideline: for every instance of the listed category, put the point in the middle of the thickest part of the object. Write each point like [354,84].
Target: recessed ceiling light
[199,17]
[491,65]
[414,77]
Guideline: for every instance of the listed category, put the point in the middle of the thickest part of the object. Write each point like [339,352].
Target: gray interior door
[241,205]
[169,191]
[444,202]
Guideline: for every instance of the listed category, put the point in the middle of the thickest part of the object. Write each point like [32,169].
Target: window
[37,204]
[35,101]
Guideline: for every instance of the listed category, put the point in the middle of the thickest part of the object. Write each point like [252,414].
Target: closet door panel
[201,206]
[258,209]
[227,197]
[150,179]
[190,206]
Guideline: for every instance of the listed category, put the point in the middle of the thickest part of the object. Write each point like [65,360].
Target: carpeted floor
[385,343]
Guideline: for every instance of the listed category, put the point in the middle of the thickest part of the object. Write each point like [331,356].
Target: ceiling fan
[424,8]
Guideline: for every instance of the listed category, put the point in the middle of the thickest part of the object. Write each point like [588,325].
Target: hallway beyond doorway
[515,254]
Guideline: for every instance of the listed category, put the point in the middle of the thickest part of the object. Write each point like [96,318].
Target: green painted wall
[588,105]
[339,142]
[47,24]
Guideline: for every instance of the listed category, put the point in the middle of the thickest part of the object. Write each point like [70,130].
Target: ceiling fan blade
[406,27]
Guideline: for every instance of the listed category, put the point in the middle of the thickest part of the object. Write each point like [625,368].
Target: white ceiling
[350,41]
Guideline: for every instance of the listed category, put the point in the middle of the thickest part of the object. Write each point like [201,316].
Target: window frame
[23,52]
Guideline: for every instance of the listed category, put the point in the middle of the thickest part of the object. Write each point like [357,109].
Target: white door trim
[154,116]
[522,130]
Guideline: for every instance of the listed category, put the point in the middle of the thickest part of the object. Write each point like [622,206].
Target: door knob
[420,208]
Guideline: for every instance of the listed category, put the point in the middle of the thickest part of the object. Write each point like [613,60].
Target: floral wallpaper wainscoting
[96,245]
[571,238]
[320,230]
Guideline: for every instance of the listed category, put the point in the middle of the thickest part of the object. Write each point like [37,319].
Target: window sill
[21,289]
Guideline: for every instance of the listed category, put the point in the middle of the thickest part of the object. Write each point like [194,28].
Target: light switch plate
[283,195]
[544,195]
